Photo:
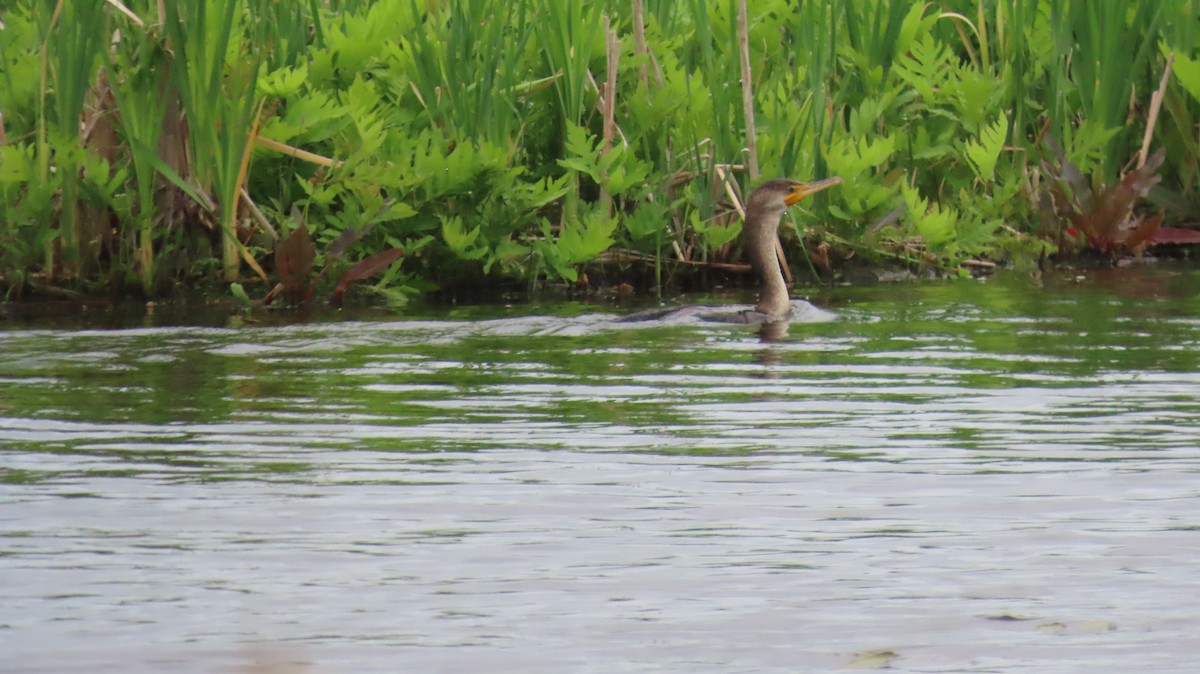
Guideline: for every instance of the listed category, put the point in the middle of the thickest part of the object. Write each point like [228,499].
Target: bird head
[798,190]
[774,196]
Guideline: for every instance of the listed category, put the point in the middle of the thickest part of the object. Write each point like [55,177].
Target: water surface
[992,476]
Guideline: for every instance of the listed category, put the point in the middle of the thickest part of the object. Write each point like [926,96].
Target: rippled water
[953,477]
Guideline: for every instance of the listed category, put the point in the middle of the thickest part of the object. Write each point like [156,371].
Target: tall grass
[1114,44]
[872,30]
[812,49]
[471,76]
[70,50]
[571,36]
[214,70]
[140,90]
[713,73]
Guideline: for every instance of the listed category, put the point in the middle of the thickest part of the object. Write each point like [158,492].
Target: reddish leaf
[275,292]
[367,268]
[1175,235]
[294,259]
[339,245]
[1114,204]
[347,237]
[351,235]
[1104,216]
[1142,232]
[1072,179]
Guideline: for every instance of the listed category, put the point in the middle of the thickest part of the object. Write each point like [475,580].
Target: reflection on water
[957,477]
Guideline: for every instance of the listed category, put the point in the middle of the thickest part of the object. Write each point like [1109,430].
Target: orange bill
[801,190]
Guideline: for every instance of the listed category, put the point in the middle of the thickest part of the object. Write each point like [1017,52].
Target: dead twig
[747,91]
[1155,106]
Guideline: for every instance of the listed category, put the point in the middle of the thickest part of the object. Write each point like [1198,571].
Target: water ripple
[967,478]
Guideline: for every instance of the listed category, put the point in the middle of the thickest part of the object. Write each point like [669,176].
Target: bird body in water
[764,210]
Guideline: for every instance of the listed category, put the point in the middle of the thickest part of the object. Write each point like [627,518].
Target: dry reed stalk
[292,151]
[619,255]
[1155,106]
[257,215]
[734,198]
[747,90]
[137,20]
[723,176]
[597,89]
[250,261]
[955,18]
[639,40]
[612,51]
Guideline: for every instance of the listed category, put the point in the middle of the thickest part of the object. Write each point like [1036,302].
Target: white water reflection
[454,498]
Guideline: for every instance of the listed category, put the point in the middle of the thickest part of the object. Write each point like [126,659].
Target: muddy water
[954,477]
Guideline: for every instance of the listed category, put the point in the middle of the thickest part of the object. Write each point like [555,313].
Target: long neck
[759,234]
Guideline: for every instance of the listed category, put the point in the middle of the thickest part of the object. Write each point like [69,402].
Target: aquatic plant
[1102,218]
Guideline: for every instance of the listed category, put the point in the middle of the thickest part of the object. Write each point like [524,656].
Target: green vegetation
[520,140]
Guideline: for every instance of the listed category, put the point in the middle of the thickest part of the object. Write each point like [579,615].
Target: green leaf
[283,82]
[649,218]
[239,294]
[175,179]
[627,173]
[935,225]
[460,241]
[865,117]
[719,235]
[597,234]
[364,104]
[586,238]
[547,191]
[974,95]
[924,67]
[17,164]
[983,154]
[396,211]
[858,163]
[583,154]
[1187,71]
[507,253]
[309,119]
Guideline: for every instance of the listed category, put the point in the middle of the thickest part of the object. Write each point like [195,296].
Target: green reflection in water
[190,402]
